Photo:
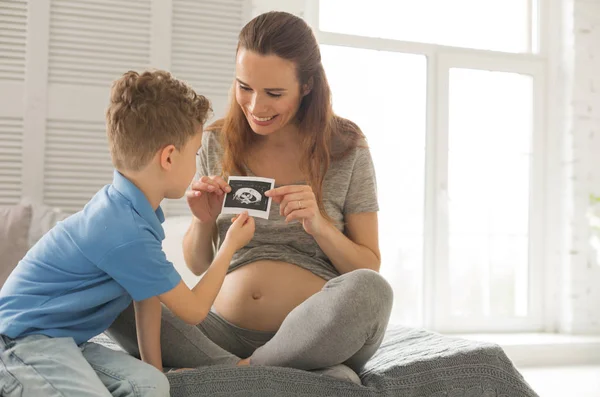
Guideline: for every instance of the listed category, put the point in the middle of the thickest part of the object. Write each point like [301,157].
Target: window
[500,25]
[391,111]
[492,198]
[454,122]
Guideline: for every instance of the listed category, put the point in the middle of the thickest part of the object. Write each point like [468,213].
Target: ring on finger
[299,204]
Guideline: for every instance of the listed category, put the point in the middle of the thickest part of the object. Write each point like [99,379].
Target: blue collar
[139,202]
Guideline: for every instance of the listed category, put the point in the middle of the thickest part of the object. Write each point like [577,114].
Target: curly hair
[149,111]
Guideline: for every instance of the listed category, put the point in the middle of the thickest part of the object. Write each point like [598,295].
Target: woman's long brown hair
[289,37]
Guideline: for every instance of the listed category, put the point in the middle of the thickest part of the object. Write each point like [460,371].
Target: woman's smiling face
[267,90]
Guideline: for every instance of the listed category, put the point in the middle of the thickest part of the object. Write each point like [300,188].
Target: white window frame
[442,318]
[440,59]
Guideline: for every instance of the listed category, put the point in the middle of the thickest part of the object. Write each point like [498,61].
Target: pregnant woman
[305,292]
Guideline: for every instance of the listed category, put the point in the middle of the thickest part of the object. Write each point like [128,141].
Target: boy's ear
[166,157]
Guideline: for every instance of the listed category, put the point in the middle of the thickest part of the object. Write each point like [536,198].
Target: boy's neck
[147,184]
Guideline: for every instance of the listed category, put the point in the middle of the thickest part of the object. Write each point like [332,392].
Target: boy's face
[184,166]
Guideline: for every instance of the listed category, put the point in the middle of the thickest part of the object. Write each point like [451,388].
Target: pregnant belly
[260,295]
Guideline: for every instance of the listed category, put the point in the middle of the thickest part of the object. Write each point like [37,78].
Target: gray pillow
[14,235]
[43,218]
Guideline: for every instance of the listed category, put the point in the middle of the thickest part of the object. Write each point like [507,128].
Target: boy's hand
[205,199]
[240,232]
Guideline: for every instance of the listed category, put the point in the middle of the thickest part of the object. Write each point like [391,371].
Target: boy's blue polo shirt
[84,272]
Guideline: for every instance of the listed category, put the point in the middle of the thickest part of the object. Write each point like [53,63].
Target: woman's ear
[166,157]
[307,88]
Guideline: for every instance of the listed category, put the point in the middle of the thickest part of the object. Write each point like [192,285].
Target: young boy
[77,279]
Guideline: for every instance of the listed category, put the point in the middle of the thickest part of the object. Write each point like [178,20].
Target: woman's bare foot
[181,369]
[245,361]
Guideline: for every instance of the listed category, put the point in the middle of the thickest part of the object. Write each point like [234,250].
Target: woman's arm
[200,241]
[147,321]
[359,250]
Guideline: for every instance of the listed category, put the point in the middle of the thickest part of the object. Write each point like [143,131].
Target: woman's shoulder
[215,126]
[212,134]
[347,139]
[211,152]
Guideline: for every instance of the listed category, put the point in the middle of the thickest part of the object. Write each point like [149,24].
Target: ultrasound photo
[248,194]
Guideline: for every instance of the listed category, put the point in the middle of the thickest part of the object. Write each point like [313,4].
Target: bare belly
[260,295]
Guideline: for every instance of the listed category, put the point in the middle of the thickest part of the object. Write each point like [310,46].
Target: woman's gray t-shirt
[349,187]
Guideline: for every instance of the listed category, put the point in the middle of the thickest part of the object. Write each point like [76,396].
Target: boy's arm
[192,306]
[147,320]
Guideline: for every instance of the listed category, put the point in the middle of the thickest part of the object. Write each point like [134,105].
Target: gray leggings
[343,323]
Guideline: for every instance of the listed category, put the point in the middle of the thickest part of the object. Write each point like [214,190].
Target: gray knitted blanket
[410,363]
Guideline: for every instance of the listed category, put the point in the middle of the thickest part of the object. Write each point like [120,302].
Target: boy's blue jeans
[38,365]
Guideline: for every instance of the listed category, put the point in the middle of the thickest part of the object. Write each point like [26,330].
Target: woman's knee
[371,283]
[373,293]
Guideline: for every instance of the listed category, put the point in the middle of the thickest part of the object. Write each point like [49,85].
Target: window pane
[490,132]
[384,93]
[501,25]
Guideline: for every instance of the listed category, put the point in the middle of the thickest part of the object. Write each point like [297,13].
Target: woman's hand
[298,202]
[206,198]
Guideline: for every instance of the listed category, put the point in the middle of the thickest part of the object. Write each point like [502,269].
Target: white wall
[579,278]
[296,7]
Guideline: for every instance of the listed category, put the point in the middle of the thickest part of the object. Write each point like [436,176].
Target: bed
[410,363]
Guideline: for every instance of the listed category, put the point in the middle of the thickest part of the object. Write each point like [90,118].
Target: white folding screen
[57,61]
[77,162]
[11,162]
[13,32]
[13,36]
[203,42]
[91,43]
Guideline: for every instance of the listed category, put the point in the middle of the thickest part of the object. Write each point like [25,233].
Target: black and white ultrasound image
[248,195]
